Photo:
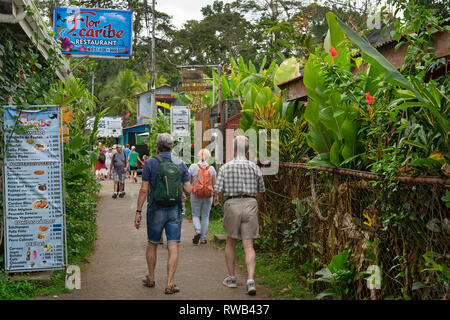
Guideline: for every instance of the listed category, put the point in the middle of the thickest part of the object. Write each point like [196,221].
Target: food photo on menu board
[33,190]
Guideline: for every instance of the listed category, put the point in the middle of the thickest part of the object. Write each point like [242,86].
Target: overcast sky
[183,10]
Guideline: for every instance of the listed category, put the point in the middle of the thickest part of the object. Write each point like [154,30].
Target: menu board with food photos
[34,207]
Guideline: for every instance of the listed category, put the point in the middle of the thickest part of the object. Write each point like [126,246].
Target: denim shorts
[169,219]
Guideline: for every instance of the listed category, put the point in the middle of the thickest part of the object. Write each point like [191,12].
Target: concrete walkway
[118,264]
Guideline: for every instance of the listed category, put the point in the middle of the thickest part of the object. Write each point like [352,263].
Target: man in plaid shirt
[241,183]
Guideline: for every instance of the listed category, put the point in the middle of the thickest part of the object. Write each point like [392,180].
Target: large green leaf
[312,112]
[263,65]
[333,118]
[320,139]
[263,97]
[242,66]
[374,75]
[350,133]
[330,292]
[291,110]
[375,58]
[277,103]
[93,158]
[250,97]
[251,67]
[76,143]
[312,79]
[245,123]
[335,153]
[336,38]
[339,262]
[288,70]
[233,63]
[79,169]
[226,94]
[321,160]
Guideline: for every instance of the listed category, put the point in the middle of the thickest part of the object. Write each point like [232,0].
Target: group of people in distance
[166,180]
[117,162]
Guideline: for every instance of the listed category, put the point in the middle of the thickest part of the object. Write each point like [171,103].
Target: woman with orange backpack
[203,177]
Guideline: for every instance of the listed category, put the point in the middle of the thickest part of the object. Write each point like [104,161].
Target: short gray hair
[241,145]
[164,142]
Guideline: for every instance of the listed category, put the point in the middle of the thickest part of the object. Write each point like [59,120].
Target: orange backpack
[203,187]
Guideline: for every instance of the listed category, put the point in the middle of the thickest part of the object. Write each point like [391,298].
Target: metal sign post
[180,121]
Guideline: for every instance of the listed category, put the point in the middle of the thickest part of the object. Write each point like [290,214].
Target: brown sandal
[148,282]
[172,289]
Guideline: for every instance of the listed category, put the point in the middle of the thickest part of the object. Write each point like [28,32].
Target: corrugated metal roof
[285,83]
[136,125]
[164,96]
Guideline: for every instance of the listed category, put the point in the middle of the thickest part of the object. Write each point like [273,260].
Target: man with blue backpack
[164,179]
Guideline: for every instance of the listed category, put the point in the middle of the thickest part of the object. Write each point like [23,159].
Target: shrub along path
[118,264]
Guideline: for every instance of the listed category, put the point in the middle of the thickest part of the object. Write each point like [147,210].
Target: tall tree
[223,32]
[119,91]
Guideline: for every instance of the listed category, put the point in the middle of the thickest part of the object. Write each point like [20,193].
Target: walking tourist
[163,180]
[240,182]
[126,151]
[133,158]
[117,189]
[100,168]
[108,157]
[203,179]
[119,165]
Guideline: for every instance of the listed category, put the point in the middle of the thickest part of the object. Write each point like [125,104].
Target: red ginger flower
[369,98]
[333,52]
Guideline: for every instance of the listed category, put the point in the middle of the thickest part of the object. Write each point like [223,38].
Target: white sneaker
[251,289]
[230,282]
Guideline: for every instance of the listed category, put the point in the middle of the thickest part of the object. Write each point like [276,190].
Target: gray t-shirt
[194,169]
[119,161]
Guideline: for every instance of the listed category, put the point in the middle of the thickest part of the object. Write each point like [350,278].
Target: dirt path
[118,264]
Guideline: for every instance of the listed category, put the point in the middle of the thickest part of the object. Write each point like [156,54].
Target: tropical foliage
[118,93]
[26,80]
[344,110]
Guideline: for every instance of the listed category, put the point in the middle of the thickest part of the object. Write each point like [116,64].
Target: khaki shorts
[240,218]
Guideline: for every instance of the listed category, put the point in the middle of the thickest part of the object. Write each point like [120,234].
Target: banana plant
[333,120]
[258,97]
[414,95]
[237,82]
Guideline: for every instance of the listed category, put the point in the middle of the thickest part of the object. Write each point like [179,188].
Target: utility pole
[153,69]
[92,83]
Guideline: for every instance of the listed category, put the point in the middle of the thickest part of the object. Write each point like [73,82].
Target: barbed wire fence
[315,214]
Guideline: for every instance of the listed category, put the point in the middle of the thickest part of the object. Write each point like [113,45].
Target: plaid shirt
[240,177]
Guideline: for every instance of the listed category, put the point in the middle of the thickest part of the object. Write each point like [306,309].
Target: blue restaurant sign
[94,32]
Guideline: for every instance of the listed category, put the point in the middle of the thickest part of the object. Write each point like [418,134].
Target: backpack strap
[157,157]
[200,167]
